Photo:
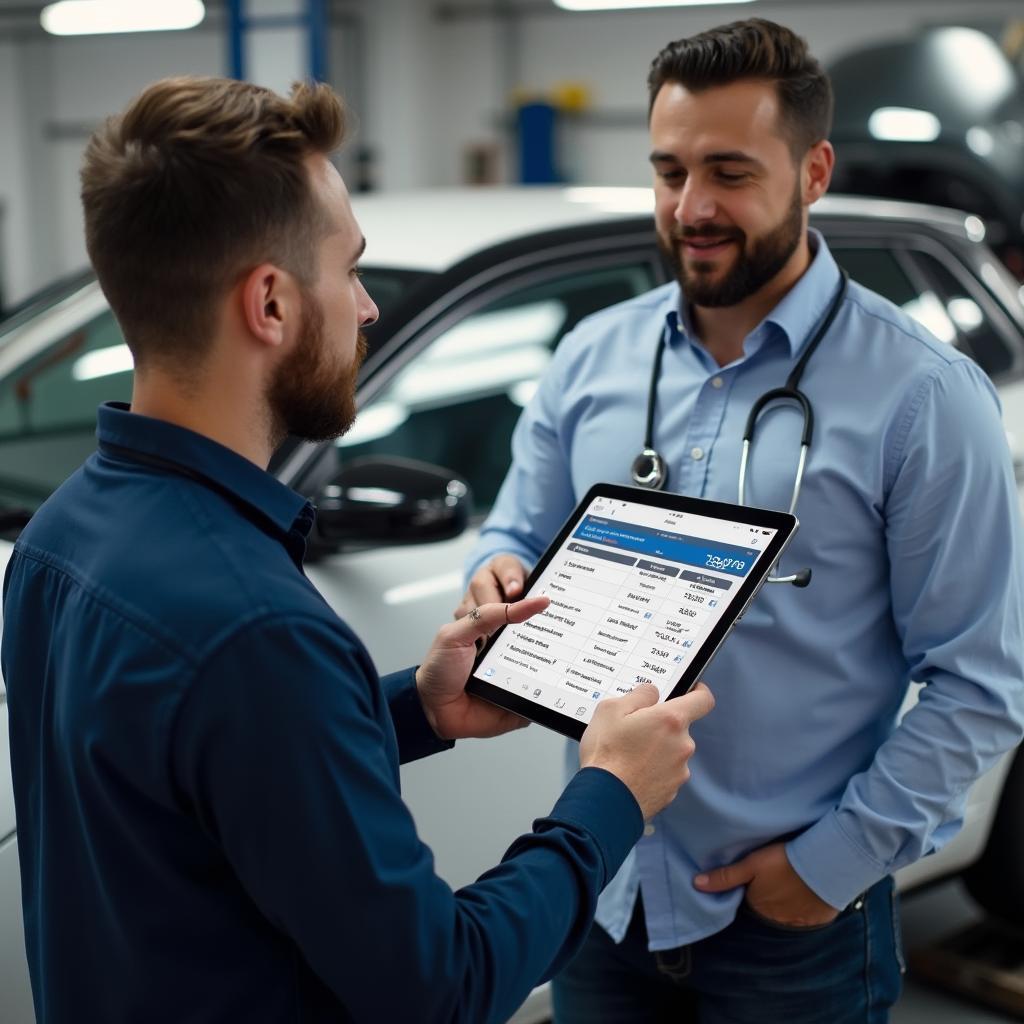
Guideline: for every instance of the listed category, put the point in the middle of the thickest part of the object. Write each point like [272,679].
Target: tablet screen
[635,592]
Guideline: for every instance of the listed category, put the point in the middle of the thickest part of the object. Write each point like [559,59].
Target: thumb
[510,574]
[729,877]
[643,696]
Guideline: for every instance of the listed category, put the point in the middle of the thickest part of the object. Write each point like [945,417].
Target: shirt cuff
[416,738]
[831,863]
[599,802]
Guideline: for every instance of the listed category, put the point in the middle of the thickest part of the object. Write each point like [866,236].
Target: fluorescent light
[102,362]
[984,77]
[379,420]
[520,394]
[980,140]
[615,199]
[975,228]
[927,310]
[94,17]
[904,124]
[966,314]
[623,5]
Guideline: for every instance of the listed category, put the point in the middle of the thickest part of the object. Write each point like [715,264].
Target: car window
[976,334]
[886,272]
[925,288]
[456,404]
[48,409]
[878,269]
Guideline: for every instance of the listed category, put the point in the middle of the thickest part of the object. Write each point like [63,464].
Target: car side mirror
[391,500]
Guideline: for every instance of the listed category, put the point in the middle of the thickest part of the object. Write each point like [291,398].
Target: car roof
[433,229]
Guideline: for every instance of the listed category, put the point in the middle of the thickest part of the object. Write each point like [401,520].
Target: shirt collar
[197,456]
[800,311]
[805,304]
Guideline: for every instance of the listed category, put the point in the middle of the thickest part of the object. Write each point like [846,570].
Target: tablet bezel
[783,523]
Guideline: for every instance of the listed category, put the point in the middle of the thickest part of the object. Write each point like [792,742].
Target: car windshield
[48,397]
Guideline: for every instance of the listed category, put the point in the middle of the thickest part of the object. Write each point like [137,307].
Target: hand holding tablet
[644,587]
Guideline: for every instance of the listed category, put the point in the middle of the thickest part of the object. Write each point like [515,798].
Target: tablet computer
[644,587]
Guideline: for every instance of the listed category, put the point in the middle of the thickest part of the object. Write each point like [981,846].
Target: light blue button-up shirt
[910,523]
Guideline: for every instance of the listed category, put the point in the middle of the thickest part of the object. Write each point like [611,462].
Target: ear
[271,304]
[816,172]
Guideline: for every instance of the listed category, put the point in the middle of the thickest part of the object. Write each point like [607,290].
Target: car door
[453,398]
[945,286]
[961,294]
[15,993]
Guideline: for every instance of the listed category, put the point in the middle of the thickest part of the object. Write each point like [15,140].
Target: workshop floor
[929,916]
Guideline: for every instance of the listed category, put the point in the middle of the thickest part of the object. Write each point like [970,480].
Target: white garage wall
[423,89]
[611,53]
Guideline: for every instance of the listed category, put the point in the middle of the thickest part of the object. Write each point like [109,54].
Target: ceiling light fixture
[96,17]
[904,124]
[624,5]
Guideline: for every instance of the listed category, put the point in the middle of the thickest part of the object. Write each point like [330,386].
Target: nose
[696,204]
[368,312]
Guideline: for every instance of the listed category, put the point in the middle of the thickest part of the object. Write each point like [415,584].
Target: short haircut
[196,183]
[754,49]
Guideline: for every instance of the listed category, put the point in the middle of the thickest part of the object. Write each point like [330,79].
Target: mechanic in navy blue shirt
[205,762]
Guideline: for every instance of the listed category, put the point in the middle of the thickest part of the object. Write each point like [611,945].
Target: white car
[476,288]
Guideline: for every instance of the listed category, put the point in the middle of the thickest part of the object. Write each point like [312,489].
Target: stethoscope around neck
[649,468]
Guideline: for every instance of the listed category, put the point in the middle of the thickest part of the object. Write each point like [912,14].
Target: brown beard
[309,396]
[758,262]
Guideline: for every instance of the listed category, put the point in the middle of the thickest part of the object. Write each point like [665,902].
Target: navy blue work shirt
[206,774]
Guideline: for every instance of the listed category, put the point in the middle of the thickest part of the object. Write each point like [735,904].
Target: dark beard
[757,264]
[309,398]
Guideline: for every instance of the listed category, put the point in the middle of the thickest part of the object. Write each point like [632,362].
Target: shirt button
[717,382]
[697,454]
[649,829]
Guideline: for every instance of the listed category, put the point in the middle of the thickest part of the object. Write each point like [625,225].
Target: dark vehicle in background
[936,119]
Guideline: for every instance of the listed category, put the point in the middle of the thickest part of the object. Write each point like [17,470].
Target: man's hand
[644,744]
[441,680]
[501,579]
[774,889]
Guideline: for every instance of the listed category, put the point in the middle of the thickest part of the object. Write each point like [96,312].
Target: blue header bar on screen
[715,555]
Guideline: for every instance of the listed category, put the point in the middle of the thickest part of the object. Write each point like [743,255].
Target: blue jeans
[753,972]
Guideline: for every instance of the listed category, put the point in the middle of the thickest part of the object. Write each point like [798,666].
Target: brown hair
[749,50]
[199,180]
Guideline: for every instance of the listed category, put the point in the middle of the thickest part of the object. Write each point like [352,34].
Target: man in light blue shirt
[763,893]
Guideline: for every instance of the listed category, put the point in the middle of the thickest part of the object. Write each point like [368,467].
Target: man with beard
[764,893]
[205,762]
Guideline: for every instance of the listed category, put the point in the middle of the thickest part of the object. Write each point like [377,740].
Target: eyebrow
[360,250]
[734,156]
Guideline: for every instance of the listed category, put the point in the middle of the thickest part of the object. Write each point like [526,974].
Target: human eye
[732,177]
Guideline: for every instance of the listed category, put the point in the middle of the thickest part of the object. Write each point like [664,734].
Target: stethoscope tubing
[655,475]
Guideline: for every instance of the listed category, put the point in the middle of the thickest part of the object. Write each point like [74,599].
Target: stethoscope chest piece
[649,470]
